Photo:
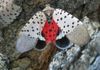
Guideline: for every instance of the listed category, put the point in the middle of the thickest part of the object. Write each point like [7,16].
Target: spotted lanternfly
[50,25]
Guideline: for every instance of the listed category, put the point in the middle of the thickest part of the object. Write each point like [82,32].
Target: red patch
[50,31]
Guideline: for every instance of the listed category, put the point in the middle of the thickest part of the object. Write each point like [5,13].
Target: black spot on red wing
[52,23]
[50,30]
[49,35]
[54,35]
[53,27]
[54,30]
[46,32]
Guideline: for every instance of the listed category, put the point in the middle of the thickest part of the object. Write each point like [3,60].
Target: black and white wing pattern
[71,27]
[8,11]
[33,27]
[65,21]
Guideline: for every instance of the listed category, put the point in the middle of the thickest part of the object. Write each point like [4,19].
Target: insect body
[55,29]
[50,31]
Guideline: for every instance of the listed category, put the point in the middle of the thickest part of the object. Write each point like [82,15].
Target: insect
[51,25]
[8,11]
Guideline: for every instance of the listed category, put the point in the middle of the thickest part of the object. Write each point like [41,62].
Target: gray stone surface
[63,59]
[3,62]
[1,36]
[95,65]
[96,42]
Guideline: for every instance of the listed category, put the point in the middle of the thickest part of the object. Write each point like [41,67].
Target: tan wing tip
[48,7]
[48,10]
